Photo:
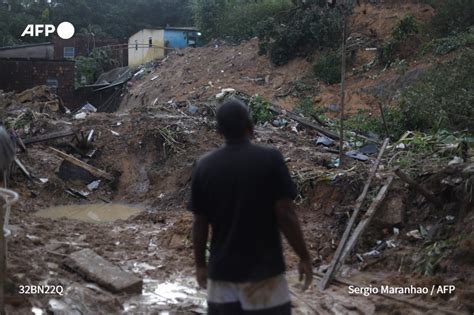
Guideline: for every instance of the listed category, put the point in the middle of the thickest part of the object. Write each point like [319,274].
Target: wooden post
[422,190]
[342,244]
[3,257]
[387,134]
[343,76]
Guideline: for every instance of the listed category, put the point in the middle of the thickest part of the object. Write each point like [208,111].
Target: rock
[393,211]
[96,268]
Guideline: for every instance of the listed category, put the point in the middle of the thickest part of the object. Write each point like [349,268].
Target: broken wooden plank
[304,122]
[337,255]
[49,136]
[23,168]
[364,222]
[422,190]
[94,171]
[96,268]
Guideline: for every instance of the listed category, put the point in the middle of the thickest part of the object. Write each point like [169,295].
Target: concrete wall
[139,50]
[21,74]
[40,51]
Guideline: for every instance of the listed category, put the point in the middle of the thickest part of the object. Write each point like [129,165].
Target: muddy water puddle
[168,297]
[94,213]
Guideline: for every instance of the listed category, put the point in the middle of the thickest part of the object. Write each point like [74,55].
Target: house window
[69,52]
[150,42]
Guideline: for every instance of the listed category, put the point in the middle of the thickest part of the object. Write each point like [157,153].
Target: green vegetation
[305,107]
[328,67]
[404,29]
[300,32]
[260,109]
[235,19]
[443,98]
[434,254]
[89,68]
[114,18]
[445,45]
[453,16]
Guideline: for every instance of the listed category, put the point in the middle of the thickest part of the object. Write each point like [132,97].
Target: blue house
[181,37]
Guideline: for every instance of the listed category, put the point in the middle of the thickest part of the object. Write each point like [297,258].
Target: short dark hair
[233,119]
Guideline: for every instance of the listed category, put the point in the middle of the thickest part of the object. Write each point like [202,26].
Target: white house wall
[139,51]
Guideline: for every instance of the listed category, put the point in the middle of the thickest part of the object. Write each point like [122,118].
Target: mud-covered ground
[150,146]
[151,156]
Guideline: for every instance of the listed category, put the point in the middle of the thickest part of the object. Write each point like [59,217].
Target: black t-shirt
[236,188]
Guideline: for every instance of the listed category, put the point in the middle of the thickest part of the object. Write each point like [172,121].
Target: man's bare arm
[200,232]
[290,227]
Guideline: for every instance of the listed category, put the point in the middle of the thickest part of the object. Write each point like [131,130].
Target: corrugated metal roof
[26,46]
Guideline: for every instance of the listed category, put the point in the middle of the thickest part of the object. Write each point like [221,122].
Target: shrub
[443,98]
[301,31]
[328,67]
[452,17]
[445,45]
[236,20]
[259,109]
[404,28]
[305,107]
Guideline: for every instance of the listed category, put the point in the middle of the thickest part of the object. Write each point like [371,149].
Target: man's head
[233,120]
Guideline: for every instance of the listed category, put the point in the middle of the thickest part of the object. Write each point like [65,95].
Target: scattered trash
[415,234]
[324,141]
[335,163]
[81,115]
[356,155]
[154,78]
[280,122]
[139,74]
[224,93]
[401,146]
[93,185]
[114,133]
[456,160]
[88,108]
[369,149]
[192,109]
[333,107]
[373,253]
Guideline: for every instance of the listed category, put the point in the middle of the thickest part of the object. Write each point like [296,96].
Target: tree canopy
[111,18]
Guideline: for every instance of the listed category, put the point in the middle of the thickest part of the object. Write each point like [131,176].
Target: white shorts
[252,296]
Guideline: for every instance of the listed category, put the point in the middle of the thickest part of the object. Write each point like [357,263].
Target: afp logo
[65,30]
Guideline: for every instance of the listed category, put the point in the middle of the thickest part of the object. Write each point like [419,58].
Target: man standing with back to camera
[245,192]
